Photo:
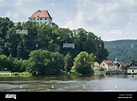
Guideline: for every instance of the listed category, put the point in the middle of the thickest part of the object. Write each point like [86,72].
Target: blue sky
[108,19]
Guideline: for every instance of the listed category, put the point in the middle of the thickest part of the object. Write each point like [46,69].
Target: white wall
[112,68]
[104,65]
[132,71]
[42,20]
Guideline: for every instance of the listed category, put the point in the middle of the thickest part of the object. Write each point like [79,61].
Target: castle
[41,16]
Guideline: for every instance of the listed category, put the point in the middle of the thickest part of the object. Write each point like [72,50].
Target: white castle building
[41,16]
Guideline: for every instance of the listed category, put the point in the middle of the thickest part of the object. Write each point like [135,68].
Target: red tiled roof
[41,14]
[96,64]
[124,65]
[108,62]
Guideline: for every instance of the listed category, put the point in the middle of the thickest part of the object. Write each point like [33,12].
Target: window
[132,71]
[40,18]
[45,18]
[37,18]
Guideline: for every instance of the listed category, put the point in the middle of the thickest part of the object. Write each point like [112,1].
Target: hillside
[43,49]
[123,50]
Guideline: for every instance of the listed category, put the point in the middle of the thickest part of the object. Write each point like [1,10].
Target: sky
[108,19]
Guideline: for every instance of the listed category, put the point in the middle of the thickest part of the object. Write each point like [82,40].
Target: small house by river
[132,68]
[108,65]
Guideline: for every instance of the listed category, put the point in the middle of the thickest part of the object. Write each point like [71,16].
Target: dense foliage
[123,50]
[43,62]
[27,43]
[82,63]
[12,64]
[68,62]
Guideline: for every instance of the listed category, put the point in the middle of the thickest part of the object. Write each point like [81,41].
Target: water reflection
[69,83]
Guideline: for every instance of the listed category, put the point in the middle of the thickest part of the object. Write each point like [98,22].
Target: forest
[47,50]
[122,50]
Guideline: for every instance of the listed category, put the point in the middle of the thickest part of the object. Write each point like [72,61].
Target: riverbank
[27,74]
[14,74]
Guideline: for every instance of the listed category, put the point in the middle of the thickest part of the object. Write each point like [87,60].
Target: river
[69,83]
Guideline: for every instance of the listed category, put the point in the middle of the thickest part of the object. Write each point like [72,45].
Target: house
[132,68]
[118,64]
[41,16]
[95,65]
[108,65]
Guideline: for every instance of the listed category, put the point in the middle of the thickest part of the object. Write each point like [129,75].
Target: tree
[12,41]
[5,24]
[12,64]
[31,46]
[5,63]
[68,62]
[38,61]
[43,62]
[82,63]
[134,61]
[92,57]
[124,50]
[89,42]
[101,69]
[19,65]
[56,64]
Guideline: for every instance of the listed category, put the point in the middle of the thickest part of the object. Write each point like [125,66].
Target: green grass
[16,74]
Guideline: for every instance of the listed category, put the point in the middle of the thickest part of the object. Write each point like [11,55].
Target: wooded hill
[40,48]
[42,36]
[124,50]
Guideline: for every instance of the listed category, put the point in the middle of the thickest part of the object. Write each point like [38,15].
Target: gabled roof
[133,65]
[108,62]
[96,64]
[41,14]
[124,65]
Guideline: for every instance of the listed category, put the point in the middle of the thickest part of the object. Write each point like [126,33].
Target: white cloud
[102,16]
[57,9]
[77,22]
[19,2]
[97,16]
[20,10]
[12,15]
[3,3]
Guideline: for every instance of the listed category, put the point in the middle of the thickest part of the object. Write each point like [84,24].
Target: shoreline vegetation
[41,49]
[14,74]
[28,74]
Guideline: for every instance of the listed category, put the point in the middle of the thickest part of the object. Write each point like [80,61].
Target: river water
[69,83]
